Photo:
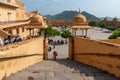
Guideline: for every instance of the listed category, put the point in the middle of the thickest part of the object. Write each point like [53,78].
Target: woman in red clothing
[54,55]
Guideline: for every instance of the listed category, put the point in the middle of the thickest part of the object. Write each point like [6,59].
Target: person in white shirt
[1,42]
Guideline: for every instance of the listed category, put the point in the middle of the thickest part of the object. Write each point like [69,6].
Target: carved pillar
[30,32]
[33,32]
[82,32]
[86,32]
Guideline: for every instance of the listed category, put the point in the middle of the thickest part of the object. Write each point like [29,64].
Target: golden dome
[36,20]
[106,19]
[115,19]
[80,18]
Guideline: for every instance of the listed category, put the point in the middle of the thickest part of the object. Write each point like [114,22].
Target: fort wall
[100,54]
[18,56]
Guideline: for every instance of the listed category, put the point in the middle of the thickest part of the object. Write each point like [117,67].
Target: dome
[106,19]
[36,20]
[80,18]
[115,19]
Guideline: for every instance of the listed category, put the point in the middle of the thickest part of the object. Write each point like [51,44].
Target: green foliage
[49,31]
[63,27]
[115,34]
[56,33]
[66,34]
[111,28]
[92,23]
[102,25]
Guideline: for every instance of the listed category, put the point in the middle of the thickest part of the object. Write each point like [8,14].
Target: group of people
[54,43]
[10,39]
[58,42]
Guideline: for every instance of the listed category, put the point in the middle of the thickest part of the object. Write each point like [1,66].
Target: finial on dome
[79,10]
[36,10]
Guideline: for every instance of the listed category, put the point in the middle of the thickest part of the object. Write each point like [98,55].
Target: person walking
[53,46]
[54,55]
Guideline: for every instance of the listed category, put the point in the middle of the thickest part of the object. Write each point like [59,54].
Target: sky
[99,8]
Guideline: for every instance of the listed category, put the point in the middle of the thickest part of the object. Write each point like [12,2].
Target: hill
[69,15]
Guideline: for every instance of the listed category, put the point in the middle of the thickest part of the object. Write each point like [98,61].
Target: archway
[58,44]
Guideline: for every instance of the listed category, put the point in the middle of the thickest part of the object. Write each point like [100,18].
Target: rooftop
[8,4]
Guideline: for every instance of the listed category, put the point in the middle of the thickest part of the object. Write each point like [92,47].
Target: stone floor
[61,69]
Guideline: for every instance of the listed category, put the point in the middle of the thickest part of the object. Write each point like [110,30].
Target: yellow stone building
[15,20]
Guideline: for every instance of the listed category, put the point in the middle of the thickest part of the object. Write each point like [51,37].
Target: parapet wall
[116,41]
[100,54]
[15,57]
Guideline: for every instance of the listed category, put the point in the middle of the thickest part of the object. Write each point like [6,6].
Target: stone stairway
[61,69]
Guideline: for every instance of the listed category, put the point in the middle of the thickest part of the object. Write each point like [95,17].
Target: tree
[115,34]
[111,28]
[66,34]
[49,32]
[103,25]
[92,23]
[56,33]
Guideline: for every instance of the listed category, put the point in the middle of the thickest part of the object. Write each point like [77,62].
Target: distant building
[115,22]
[58,23]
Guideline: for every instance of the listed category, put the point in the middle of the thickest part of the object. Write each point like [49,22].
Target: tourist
[58,42]
[5,41]
[65,41]
[17,39]
[1,42]
[54,55]
[62,42]
[49,49]
[53,46]
[9,39]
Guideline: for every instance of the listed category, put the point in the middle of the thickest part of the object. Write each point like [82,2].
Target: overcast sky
[100,8]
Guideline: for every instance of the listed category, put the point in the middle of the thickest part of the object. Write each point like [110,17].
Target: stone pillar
[30,32]
[45,43]
[72,32]
[71,48]
[33,32]
[75,32]
[86,32]
[82,32]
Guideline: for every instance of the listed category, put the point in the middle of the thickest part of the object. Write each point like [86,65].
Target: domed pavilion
[37,22]
[80,22]
[115,19]
[106,19]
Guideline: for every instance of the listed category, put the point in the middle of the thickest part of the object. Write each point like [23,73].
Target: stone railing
[7,24]
[15,57]
[100,54]
[10,22]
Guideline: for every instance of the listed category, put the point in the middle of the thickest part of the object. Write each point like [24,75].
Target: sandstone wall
[100,54]
[116,41]
[18,56]
[7,14]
